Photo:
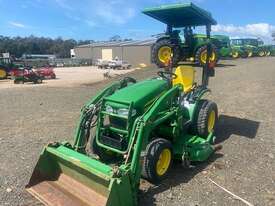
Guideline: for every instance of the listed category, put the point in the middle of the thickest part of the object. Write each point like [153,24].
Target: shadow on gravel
[228,125]
[225,65]
[177,176]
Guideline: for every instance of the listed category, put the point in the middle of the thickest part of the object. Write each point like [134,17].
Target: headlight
[125,112]
[109,109]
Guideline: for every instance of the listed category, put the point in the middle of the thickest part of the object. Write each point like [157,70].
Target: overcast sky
[101,19]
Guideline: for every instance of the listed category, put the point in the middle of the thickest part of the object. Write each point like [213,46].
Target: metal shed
[135,52]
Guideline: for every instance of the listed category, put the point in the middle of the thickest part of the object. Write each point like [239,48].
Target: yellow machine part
[3,73]
[185,77]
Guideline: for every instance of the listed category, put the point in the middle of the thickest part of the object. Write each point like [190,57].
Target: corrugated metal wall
[83,52]
[137,55]
[134,54]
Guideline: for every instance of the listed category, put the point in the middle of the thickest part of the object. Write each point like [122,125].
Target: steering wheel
[164,74]
[125,81]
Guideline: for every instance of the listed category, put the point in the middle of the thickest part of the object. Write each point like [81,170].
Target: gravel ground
[68,77]
[244,90]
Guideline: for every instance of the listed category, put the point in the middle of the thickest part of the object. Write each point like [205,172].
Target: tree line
[18,46]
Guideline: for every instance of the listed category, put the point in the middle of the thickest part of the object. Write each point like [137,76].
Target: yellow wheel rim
[250,54]
[3,73]
[235,54]
[211,121]
[163,162]
[268,53]
[261,53]
[204,56]
[164,54]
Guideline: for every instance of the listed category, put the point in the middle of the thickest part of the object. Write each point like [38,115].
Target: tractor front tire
[162,51]
[235,54]
[206,119]
[200,56]
[157,160]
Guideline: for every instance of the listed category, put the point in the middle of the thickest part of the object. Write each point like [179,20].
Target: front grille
[115,142]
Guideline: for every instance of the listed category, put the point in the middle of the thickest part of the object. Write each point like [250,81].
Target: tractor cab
[182,18]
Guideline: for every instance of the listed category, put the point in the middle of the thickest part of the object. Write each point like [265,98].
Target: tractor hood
[140,94]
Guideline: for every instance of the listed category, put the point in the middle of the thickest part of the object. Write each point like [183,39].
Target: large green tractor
[226,49]
[182,18]
[130,130]
[254,46]
[244,49]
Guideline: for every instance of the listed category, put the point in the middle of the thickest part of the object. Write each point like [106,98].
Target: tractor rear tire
[244,55]
[261,53]
[157,160]
[165,43]
[201,50]
[206,118]
[267,53]
[3,74]
[38,81]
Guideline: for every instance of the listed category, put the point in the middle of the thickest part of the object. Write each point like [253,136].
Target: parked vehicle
[27,74]
[112,64]
[6,65]
[46,72]
[102,64]
[118,64]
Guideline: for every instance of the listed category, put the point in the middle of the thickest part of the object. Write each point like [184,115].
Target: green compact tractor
[130,130]
[181,18]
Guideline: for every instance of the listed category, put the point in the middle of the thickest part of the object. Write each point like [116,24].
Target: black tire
[18,81]
[39,81]
[261,53]
[205,107]
[244,54]
[201,50]
[152,154]
[175,49]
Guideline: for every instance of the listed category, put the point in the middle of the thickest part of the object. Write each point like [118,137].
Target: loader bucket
[63,176]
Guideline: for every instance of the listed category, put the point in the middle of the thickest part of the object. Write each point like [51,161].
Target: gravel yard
[69,77]
[244,89]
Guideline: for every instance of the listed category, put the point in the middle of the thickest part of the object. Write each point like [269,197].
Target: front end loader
[130,130]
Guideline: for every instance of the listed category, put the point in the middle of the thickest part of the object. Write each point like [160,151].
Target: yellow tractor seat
[185,77]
